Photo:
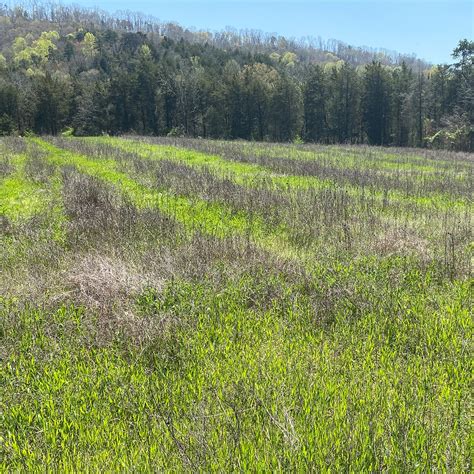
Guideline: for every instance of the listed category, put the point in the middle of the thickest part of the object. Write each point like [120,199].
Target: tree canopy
[73,69]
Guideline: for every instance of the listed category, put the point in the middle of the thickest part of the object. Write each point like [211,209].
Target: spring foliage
[103,75]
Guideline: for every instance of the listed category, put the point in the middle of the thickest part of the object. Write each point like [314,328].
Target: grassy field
[192,305]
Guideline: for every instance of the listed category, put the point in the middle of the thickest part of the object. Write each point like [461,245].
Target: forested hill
[67,70]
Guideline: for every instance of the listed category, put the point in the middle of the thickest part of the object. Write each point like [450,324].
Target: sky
[428,28]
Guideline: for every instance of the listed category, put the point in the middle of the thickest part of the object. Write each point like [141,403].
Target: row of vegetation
[170,304]
[63,69]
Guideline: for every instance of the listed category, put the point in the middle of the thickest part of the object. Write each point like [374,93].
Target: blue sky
[428,28]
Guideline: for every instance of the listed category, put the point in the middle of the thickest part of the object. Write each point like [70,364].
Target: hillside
[63,69]
[35,18]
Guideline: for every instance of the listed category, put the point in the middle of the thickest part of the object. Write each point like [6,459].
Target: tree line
[76,76]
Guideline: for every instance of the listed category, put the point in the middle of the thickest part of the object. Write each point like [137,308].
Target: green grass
[165,331]
[32,211]
[21,198]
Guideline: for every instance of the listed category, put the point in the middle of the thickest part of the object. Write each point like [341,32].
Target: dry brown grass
[402,241]
[108,286]
[100,281]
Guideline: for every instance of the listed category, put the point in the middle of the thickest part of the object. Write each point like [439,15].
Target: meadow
[171,304]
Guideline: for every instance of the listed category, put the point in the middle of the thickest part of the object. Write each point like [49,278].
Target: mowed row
[174,304]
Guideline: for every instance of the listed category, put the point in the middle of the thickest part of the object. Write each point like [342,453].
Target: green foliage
[68,132]
[289,59]
[3,63]
[89,45]
[298,140]
[176,132]
[113,80]
[37,54]
[7,125]
[464,53]
[145,52]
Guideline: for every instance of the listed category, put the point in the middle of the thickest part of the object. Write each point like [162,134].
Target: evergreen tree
[402,78]
[376,104]
[314,100]
[286,110]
